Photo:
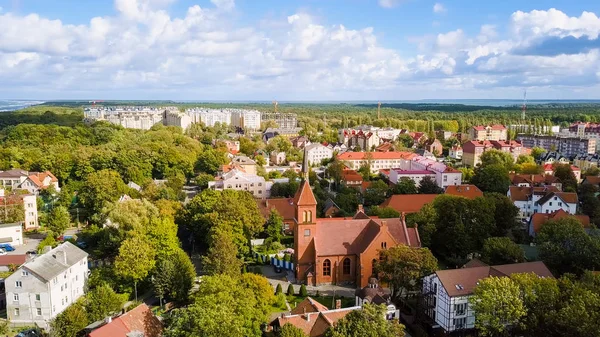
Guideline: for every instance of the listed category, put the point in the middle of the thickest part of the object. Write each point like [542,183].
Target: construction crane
[275,104]
[378,110]
[524,107]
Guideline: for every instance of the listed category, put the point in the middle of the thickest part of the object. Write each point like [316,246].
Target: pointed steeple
[305,165]
[305,195]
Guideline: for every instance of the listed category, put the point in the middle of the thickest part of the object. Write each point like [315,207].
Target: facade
[33,182]
[248,165]
[586,161]
[291,133]
[488,132]
[419,167]
[11,233]
[209,117]
[46,285]
[548,199]
[367,136]
[316,153]
[128,117]
[472,150]
[378,160]
[277,158]
[283,120]
[568,146]
[549,171]
[446,292]
[456,152]
[28,203]
[245,119]
[241,181]
[177,118]
[434,146]
[552,157]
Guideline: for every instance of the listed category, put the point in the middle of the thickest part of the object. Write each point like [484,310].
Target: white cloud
[389,3]
[224,4]
[439,8]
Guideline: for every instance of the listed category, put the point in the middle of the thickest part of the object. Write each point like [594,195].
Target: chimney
[403,217]
[338,304]
[383,223]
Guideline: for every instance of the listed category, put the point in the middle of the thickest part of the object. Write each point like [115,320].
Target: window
[550,203]
[346,266]
[560,204]
[307,232]
[38,311]
[37,297]
[460,309]
[24,273]
[305,216]
[327,268]
[17,312]
[383,245]
[18,284]
[286,226]
[16,297]
[373,265]
[460,323]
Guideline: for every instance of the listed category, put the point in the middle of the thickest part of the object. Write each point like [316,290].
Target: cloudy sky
[299,49]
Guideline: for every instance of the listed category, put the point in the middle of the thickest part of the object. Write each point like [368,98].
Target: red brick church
[341,250]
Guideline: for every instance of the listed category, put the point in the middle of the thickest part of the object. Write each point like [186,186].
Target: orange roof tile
[284,206]
[304,195]
[376,155]
[538,219]
[408,203]
[139,319]
[467,191]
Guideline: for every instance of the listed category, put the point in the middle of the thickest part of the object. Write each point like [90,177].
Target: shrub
[279,289]
[290,290]
[303,291]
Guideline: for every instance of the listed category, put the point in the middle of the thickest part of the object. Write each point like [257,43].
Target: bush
[280,301]
[290,290]
[278,290]
[303,291]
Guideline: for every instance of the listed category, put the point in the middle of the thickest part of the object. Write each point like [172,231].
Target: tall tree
[428,185]
[566,176]
[492,178]
[135,259]
[376,193]
[274,226]
[100,188]
[496,157]
[102,302]
[59,220]
[501,250]
[70,322]
[222,255]
[174,277]
[405,186]
[368,322]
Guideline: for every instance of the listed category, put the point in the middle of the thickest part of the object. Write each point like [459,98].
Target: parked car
[7,246]
[3,251]
[29,333]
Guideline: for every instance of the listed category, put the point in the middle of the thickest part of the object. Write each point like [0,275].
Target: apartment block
[568,146]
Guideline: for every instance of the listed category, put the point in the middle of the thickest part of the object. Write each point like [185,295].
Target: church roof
[305,195]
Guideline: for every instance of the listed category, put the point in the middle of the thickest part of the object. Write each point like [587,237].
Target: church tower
[306,226]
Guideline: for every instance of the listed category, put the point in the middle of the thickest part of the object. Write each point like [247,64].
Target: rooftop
[56,261]
[408,203]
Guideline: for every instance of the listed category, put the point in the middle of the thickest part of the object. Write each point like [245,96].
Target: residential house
[277,158]
[550,168]
[11,233]
[375,294]
[330,209]
[434,146]
[551,157]
[351,178]
[419,167]
[547,199]
[446,293]
[444,135]
[33,182]
[385,147]
[456,152]
[338,148]
[46,285]
[139,322]
[299,142]
[467,191]
[538,219]
[241,181]
[535,180]
[233,146]
[418,137]
[365,139]
[317,152]
[472,150]
[341,250]
[568,146]
[11,201]
[284,207]
[240,163]
[376,160]
[408,203]
[488,132]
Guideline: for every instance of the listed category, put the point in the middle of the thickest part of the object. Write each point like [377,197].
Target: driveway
[31,243]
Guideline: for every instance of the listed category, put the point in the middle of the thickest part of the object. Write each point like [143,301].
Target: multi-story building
[177,118]
[367,136]
[128,117]
[283,120]
[241,181]
[246,119]
[271,133]
[472,150]
[33,182]
[277,158]
[551,157]
[545,199]
[209,117]
[488,132]
[586,161]
[420,167]
[583,130]
[11,202]
[377,160]
[446,293]
[46,285]
[317,153]
[568,146]
[456,152]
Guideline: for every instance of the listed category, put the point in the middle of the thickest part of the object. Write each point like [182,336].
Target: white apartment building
[177,118]
[317,152]
[447,292]
[246,119]
[240,181]
[209,117]
[29,202]
[547,199]
[488,132]
[378,160]
[46,285]
[419,167]
[456,152]
[128,117]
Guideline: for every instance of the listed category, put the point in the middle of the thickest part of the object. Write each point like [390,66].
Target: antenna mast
[524,107]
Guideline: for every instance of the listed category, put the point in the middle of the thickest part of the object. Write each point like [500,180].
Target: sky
[341,50]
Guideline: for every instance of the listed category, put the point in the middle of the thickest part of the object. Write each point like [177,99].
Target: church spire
[305,165]
[304,195]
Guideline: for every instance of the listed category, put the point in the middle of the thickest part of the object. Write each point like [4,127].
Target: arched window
[383,245]
[309,216]
[374,263]
[327,268]
[346,266]
[304,216]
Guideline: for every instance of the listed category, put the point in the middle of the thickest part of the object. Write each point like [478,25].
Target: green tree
[405,186]
[274,226]
[467,174]
[496,157]
[174,277]
[426,219]
[203,179]
[505,213]
[59,220]
[428,185]
[70,322]
[376,193]
[278,289]
[49,240]
[385,212]
[303,292]
[537,152]
[492,178]
[288,330]
[540,296]
[368,322]
[101,302]
[135,259]
[210,160]
[525,159]
[497,304]
[100,188]
[566,176]
[335,170]
[501,250]
[406,140]
[222,255]
[404,267]
[593,171]
[290,290]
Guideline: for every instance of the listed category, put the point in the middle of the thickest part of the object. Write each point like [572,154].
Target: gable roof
[304,196]
[316,323]
[48,265]
[18,260]
[140,319]
[284,206]
[568,197]
[591,180]
[351,175]
[408,203]
[461,282]
[308,305]
[522,193]
[467,191]
[538,219]
[14,173]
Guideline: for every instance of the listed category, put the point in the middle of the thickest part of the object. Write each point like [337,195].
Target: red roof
[467,191]
[283,206]
[376,155]
[139,319]
[18,260]
[493,127]
[538,219]
[305,196]
[409,203]
[351,175]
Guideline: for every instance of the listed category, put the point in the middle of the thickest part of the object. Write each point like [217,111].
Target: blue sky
[299,49]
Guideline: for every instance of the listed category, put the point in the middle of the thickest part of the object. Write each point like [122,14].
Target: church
[341,251]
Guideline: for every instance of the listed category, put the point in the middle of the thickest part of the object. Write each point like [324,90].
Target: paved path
[282,278]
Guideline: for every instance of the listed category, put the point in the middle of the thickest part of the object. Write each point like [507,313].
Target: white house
[447,292]
[240,181]
[46,285]
[546,199]
[11,233]
[317,152]
[419,167]
[456,152]
[33,182]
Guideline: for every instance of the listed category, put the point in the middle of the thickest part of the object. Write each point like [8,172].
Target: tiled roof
[304,195]
[308,305]
[351,175]
[14,173]
[315,324]
[408,203]
[538,219]
[592,180]
[568,197]
[141,319]
[18,260]
[376,155]
[475,263]
[522,193]
[283,206]
[493,127]
[461,282]
[467,191]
